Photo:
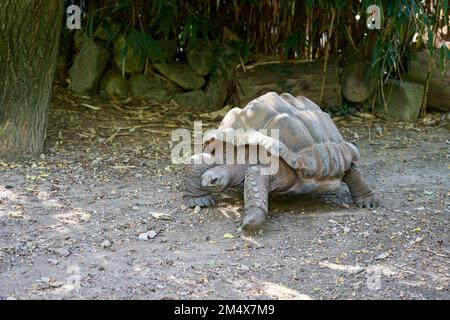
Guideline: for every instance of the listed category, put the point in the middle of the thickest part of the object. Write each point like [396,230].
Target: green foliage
[164,16]
[292,27]
[142,44]
[194,27]
[347,109]
[295,43]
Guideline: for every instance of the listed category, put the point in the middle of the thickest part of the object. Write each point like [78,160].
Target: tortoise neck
[236,173]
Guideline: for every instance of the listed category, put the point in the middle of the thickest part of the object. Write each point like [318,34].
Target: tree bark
[303,79]
[438,96]
[29,36]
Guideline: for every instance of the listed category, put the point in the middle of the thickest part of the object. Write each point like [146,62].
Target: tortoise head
[216,179]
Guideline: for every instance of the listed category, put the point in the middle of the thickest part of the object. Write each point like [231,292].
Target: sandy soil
[71,222]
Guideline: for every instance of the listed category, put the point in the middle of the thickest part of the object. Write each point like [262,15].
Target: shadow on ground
[71,222]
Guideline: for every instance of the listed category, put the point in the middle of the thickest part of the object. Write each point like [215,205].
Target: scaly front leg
[194,194]
[256,197]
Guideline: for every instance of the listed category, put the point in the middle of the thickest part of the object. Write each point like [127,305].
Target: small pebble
[382,256]
[53,261]
[63,252]
[197,209]
[106,244]
[245,268]
[147,235]
[143,236]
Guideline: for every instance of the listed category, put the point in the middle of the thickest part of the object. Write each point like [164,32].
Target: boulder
[403,101]
[168,49]
[217,91]
[200,56]
[151,87]
[192,99]
[114,86]
[181,74]
[132,62]
[88,66]
[221,79]
[358,82]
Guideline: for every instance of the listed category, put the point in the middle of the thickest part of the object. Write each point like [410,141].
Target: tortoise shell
[308,140]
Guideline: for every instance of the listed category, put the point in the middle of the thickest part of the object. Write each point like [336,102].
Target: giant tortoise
[311,153]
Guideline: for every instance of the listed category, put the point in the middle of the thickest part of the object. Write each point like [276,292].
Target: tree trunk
[438,96]
[29,36]
[303,79]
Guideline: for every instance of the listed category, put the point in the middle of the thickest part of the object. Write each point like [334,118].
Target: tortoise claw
[203,201]
[370,201]
[254,219]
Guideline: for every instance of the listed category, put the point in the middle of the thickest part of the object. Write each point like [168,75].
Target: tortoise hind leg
[362,194]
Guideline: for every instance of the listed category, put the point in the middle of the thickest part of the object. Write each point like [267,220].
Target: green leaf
[121,4]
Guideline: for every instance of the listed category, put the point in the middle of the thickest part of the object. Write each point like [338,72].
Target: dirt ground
[73,224]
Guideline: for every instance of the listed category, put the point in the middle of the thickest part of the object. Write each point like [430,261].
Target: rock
[151,234]
[217,91]
[143,236]
[106,244]
[132,61]
[151,87]
[63,252]
[53,262]
[192,99]
[200,56]
[88,66]
[403,101]
[229,35]
[107,30]
[168,49]
[197,209]
[244,268]
[181,74]
[358,83]
[114,86]
[147,235]
[382,256]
